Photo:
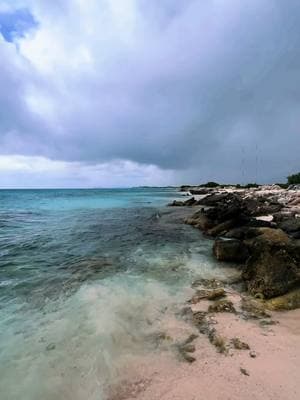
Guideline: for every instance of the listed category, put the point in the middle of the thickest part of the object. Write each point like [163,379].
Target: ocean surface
[84,276]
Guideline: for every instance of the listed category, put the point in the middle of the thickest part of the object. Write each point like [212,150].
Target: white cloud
[180,85]
[17,171]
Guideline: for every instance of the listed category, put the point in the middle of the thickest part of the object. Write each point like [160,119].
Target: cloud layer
[206,89]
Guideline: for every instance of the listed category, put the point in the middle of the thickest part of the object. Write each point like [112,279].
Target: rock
[190,339]
[244,371]
[291,226]
[215,198]
[208,283]
[252,354]
[199,317]
[184,188]
[232,250]
[272,235]
[200,191]
[218,341]
[261,205]
[176,203]
[158,338]
[187,357]
[253,309]
[239,345]
[207,294]
[221,228]
[273,267]
[258,223]
[294,187]
[267,322]
[203,223]
[51,346]
[241,233]
[216,294]
[188,348]
[190,202]
[222,306]
[200,221]
[289,301]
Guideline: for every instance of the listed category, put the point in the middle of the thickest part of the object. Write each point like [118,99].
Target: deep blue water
[81,274]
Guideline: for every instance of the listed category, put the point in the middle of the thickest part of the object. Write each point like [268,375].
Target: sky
[118,93]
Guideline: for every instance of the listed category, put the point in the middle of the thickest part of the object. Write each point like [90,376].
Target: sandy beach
[269,370]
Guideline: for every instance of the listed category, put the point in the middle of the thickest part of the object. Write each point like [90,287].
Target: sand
[274,372]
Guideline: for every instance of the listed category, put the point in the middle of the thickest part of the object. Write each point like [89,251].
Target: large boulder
[291,226]
[200,221]
[216,199]
[261,206]
[273,267]
[221,228]
[231,250]
[272,236]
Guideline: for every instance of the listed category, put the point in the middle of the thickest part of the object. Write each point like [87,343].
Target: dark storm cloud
[209,87]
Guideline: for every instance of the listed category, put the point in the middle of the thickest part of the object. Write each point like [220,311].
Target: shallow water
[85,275]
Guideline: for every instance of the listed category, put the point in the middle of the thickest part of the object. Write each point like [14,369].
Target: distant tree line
[294,179]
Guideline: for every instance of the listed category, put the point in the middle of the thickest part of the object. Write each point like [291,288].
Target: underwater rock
[51,346]
[208,283]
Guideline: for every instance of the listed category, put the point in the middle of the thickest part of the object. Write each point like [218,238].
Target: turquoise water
[82,272]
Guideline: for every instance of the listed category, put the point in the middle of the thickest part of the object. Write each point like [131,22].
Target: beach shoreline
[225,343]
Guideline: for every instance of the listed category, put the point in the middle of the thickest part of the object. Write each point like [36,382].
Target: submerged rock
[51,346]
[208,283]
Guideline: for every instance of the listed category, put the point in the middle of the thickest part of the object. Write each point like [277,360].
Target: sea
[85,276]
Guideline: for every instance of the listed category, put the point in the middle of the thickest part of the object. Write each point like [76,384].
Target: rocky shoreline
[258,230]
[229,339]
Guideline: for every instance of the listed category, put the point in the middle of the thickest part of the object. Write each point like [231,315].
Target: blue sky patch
[15,24]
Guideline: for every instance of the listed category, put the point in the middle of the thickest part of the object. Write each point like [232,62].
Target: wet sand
[272,374]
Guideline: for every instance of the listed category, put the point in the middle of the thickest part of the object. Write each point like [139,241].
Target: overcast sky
[148,92]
